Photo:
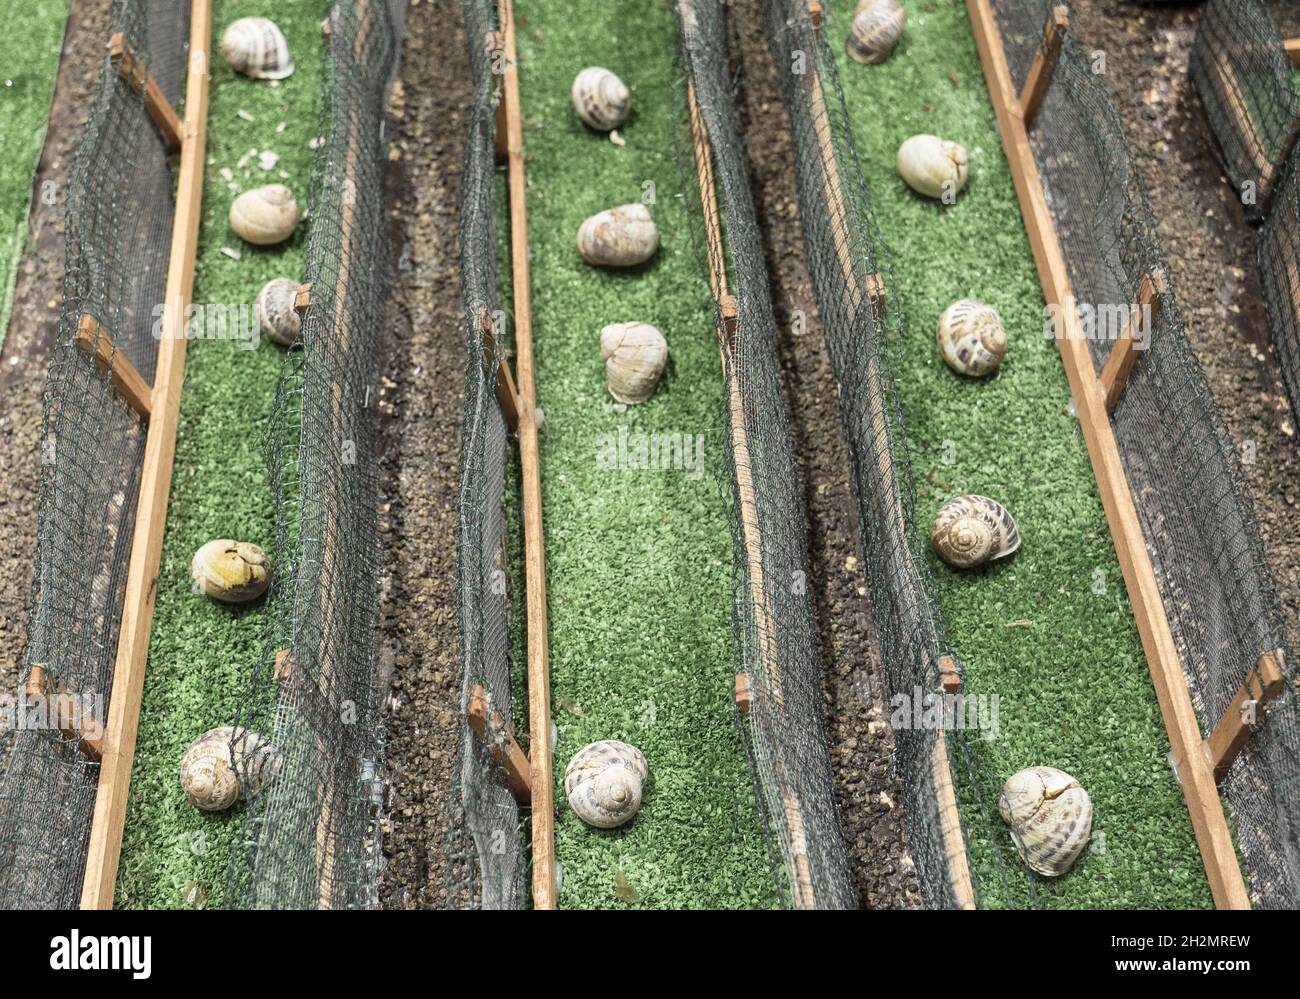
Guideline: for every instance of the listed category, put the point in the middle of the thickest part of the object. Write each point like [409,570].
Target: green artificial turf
[1050,630]
[638,561]
[29,61]
[203,652]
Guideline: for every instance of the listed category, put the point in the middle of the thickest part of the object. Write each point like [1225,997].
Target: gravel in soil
[420,399]
[33,328]
[1210,251]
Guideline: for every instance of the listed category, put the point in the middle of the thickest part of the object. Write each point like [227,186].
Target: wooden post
[95,340]
[1124,352]
[1040,70]
[949,676]
[491,729]
[539,665]
[954,843]
[744,693]
[69,715]
[105,844]
[1233,730]
[124,59]
[1208,820]
[1291,47]
[507,394]
[302,299]
[815,15]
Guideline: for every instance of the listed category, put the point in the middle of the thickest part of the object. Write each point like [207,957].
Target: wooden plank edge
[129,65]
[490,728]
[1044,63]
[954,840]
[1233,730]
[70,717]
[96,341]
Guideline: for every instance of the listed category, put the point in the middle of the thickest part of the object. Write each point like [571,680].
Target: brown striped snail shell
[601,99]
[233,572]
[603,783]
[932,166]
[256,47]
[972,339]
[877,27]
[635,355]
[273,309]
[619,237]
[972,530]
[210,772]
[1050,816]
[265,215]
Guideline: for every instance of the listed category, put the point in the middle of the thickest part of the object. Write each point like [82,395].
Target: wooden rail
[96,341]
[1291,46]
[1203,804]
[124,59]
[541,778]
[105,845]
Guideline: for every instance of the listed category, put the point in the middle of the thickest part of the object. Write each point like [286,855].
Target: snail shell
[233,572]
[603,783]
[877,27]
[274,311]
[265,215]
[1050,816]
[972,530]
[210,774]
[928,163]
[619,237]
[635,355]
[256,47]
[600,98]
[971,337]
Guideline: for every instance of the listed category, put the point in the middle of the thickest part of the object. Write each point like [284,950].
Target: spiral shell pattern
[877,27]
[265,215]
[1050,815]
[635,355]
[273,309]
[603,783]
[932,166]
[233,572]
[972,530]
[601,99]
[619,237]
[211,774]
[971,337]
[256,47]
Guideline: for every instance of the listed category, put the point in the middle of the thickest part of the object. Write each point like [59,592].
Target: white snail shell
[618,237]
[256,47]
[600,98]
[971,530]
[1050,816]
[210,774]
[265,215]
[932,166]
[971,337]
[273,309]
[877,27]
[603,783]
[233,572]
[635,355]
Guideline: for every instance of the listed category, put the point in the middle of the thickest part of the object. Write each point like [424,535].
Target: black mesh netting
[311,838]
[486,860]
[1278,255]
[1199,528]
[118,224]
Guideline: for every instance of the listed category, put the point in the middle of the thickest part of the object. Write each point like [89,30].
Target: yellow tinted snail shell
[233,572]
[600,98]
[877,27]
[932,166]
[274,311]
[256,47]
[211,773]
[972,530]
[635,355]
[265,215]
[1050,816]
[603,783]
[971,338]
[619,237]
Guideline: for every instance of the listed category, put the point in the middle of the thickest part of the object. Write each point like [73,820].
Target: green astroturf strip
[202,652]
[1049,631]
[29,61]
[638,561]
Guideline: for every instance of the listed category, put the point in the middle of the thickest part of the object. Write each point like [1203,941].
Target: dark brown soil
[33,328]
[421,394]
[1211,252]
[869,799]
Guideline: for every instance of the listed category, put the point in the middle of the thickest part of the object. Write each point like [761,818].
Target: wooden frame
[1199,790]
[69,717]
[1234,729]
[744,694]
[490,728]
[539,666]
[96,341]
[124,59]
[105,845]
[507,394]
[1040,70]
[1291,48]
[1124,352]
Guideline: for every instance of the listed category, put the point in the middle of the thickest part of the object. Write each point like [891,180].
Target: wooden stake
[155,483]
[1124,352]
[1291,46]
[95,340]
[507,394]
[302,299]
[490,728]
[1238,721]
[949,676]
[744,693]
[1208,820]
[539,665]
[124,59]
[1040,70]
[69,713]
[954,842]
[815,14]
